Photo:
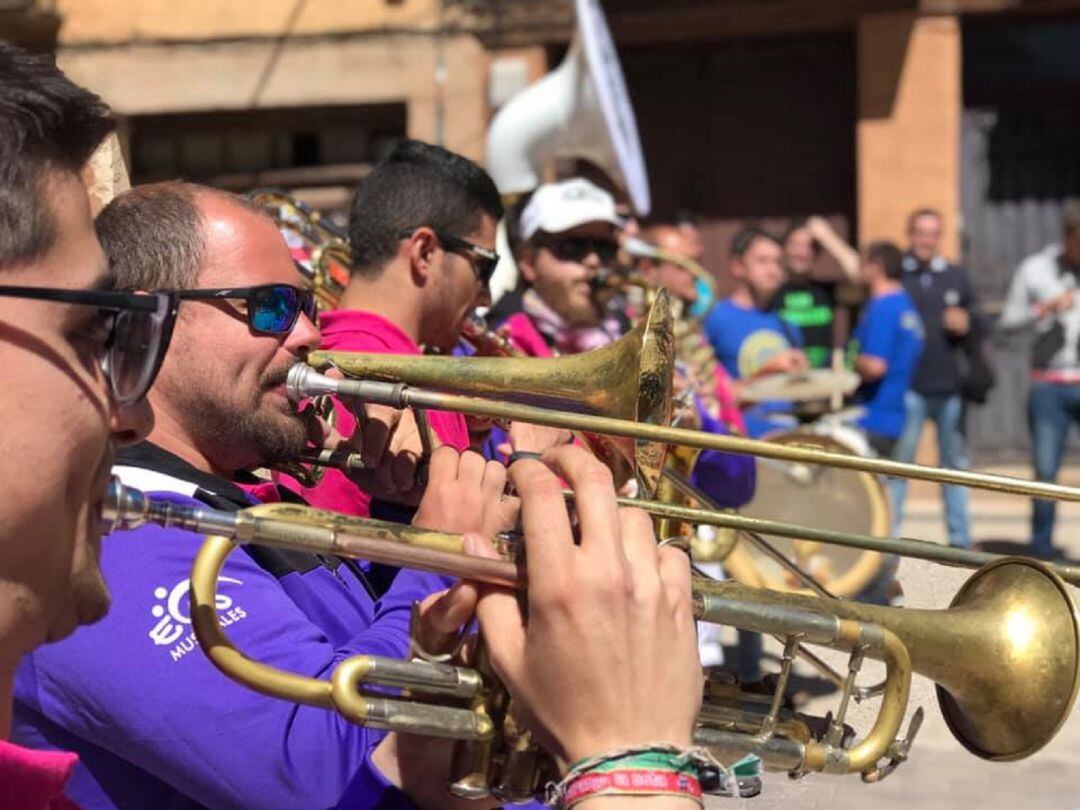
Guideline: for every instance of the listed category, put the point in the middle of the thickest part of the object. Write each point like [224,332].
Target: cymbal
[805,386]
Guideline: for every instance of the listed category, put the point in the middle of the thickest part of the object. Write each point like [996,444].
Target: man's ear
[422,248]
[526,263]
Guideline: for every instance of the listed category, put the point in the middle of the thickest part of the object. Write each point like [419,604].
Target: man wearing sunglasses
[422,230]
[566,239]
[77,359]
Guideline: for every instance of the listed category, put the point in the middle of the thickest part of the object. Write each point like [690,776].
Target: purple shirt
[156,725]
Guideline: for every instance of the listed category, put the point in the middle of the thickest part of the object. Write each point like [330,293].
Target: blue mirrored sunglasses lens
[274,310]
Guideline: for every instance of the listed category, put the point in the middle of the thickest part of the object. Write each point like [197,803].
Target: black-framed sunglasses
[139,332]
[270,309]
[578,248]
[482,260]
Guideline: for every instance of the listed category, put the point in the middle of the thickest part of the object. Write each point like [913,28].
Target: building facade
[857,110]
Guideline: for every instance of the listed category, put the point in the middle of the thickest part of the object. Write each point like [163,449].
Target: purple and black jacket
[155,725]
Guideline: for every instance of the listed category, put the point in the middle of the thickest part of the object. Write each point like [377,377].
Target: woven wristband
[632,782]
[654,770]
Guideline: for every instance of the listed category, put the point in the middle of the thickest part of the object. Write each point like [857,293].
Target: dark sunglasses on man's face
[270,309]
[482,260]
[138,331]
[579,248]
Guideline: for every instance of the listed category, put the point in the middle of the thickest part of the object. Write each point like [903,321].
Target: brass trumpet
[1003,699]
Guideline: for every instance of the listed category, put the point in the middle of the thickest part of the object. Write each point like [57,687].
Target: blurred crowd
[806,311]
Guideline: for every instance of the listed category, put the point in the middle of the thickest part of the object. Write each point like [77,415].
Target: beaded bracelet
[650,770]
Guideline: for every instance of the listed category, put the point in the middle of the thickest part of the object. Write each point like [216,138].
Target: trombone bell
[1029,625]
[628,379]
[1005,656]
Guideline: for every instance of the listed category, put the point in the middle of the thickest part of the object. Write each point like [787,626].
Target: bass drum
[819,497]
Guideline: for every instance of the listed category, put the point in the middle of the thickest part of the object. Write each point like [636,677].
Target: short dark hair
[154,236]
[47,122]
[922,212]
[888,256]
[416,184]
[744,239]
[795,225]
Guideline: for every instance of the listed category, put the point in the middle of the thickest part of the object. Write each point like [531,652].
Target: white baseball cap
[558,207]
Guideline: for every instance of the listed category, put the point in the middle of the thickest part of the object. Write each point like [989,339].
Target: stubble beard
[260,431]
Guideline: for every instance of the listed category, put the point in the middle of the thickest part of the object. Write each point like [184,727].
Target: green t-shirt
[809,305]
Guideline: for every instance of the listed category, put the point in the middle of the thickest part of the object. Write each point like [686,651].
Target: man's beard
[257,432]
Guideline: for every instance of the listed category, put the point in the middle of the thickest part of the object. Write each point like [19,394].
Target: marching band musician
[88,357]
[55,336]
[746,333]
[684,241]
[566,237]
[173,731]
[422,232]
[220,407]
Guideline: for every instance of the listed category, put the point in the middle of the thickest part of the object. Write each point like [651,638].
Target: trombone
[621,391]
[1014,613]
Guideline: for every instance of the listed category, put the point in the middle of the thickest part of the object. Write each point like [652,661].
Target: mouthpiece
[126,508]
[304,382]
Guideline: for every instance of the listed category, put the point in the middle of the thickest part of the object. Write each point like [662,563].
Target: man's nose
[304,337]
[130,424]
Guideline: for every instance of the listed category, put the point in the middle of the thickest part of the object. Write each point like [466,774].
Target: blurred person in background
[807,302]
[689,225]
[884,351]
[885,348]
[1043,298]
[749,338]
[945,300]
[565,241]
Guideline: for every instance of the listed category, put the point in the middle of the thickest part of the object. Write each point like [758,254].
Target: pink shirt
[34,780]
[729,407]
[520,329]
[522,332]
[351,330]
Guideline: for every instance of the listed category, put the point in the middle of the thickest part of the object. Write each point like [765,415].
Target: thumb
[443,614]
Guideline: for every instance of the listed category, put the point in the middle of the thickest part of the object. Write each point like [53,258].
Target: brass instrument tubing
[338,459]
[859,693]
[397,395]
[791,647]
[764,546]
[903,546]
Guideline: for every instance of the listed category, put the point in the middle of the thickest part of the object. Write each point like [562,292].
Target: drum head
[819,497]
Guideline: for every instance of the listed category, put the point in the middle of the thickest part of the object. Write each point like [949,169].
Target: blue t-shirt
[746,339]
[890,329]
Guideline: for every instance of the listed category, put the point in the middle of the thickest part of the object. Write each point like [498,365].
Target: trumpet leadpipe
[300,528]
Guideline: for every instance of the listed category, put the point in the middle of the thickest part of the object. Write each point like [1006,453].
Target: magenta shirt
[351,330]
[522,332]
[35,780]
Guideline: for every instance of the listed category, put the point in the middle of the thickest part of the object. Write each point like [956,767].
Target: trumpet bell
[1028,621]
